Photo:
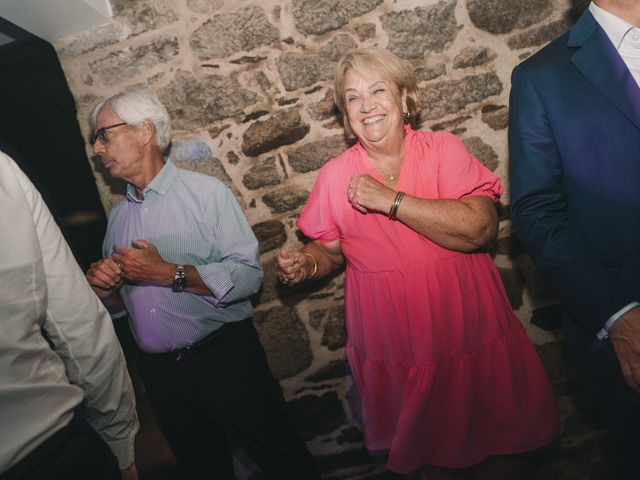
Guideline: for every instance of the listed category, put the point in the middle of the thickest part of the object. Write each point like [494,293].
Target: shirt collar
[615,27]
[160,183]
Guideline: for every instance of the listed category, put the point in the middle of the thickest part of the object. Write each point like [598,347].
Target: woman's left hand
[367,194]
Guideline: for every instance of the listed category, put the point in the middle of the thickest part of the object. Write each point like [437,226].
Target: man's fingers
[629,360]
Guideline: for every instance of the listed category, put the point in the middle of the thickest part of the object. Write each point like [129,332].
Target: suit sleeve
[540,212]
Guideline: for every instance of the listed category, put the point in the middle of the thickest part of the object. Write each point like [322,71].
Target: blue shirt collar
[160,183]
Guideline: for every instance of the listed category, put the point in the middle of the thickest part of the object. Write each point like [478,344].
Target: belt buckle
[182,354]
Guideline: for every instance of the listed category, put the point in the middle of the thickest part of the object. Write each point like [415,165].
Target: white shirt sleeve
[45,290]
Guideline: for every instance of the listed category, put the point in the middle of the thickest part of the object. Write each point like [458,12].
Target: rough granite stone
[194,154]
[338,46]
[502,16]
[323,109]
[412,32]
[144,15]
[233,158]
[473,56]
[204,6]
[334,334]
[321,16]
[445,98]
[222,35]
[300,70]
[132,61]
[271,234]
[262,174]
[195,102]
[99,38]
[336,369]
[539,36]
[314,155]
[513,284]
[285,340]
[365,31]
[482,151]
[315,415]
[430,72]
[496,116]
[454,126]
[282,128]
[285,199]
[263,81]
[84,105]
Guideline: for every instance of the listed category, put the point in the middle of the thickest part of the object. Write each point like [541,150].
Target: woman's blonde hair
[376,61]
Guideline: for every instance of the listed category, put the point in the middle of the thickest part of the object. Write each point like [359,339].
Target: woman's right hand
[294,266]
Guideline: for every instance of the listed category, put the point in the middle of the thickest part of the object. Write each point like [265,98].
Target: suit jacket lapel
[600,63]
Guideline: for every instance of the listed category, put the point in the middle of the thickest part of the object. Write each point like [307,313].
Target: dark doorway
[39,130]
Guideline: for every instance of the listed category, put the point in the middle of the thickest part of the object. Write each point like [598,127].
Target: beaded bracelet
[395,205]
[315,266]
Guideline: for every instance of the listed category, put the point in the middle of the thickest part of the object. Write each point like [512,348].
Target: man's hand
[625,338]
[105,277]
[143,262]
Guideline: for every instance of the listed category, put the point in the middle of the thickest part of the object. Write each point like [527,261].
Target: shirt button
[635,37]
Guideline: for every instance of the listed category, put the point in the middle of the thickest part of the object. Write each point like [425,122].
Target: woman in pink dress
[446,374]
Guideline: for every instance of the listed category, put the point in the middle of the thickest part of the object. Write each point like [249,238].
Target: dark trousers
[222,391]
[621,408]
[620,405]
[74,453]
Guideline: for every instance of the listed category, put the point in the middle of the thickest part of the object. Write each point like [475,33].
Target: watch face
[180,283]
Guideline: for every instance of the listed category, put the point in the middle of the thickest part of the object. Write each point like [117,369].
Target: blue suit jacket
[574,145]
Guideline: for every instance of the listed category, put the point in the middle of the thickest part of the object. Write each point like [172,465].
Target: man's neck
[153,165]
[628,10]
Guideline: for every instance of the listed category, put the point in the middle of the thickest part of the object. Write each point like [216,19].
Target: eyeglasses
[101,133]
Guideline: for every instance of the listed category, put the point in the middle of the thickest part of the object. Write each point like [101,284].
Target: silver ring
[285,280]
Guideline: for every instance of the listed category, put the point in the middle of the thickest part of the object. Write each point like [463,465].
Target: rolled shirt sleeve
[237,274]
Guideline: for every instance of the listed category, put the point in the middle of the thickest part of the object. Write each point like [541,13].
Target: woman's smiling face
[375,108]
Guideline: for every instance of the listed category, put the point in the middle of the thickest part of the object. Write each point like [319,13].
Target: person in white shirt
[67,407]
[574,143]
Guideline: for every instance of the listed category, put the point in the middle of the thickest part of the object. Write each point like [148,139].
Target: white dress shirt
[43,289]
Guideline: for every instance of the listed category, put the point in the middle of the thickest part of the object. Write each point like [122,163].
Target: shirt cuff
[120,314]
[604,332]
[123,449]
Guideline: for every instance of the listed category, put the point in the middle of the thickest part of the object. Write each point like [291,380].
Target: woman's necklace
[390,177]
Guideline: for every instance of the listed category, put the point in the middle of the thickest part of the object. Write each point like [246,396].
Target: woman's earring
[406,115]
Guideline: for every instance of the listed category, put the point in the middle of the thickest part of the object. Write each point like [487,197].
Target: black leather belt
[181,354]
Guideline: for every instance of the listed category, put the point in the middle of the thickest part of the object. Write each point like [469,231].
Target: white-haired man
[182,261]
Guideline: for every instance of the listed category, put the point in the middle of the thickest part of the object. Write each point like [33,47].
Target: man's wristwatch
[179,279]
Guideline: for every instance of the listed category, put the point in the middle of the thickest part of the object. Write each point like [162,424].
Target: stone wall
[248,86]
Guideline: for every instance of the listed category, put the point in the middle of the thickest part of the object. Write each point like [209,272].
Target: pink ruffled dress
[445,371]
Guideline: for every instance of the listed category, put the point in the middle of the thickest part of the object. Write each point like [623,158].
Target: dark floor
[589,460]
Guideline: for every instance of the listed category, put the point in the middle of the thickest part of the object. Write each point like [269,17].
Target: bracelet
[394,206]
[315,265]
